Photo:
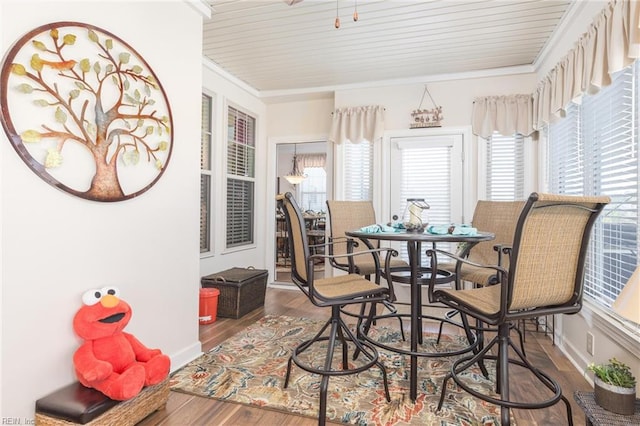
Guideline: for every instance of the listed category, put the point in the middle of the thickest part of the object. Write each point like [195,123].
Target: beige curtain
[504,114]
[611,43]
[311,160]
[357,124]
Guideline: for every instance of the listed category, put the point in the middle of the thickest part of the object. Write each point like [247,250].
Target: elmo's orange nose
[109,301]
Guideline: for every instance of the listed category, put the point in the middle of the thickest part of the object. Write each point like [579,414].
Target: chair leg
[502,377]
[364,329]
[339,331]
[470,337]
[457,368]
[393,310]
[322,411]
[503,371]
[447,315]
[521,337]
[303,347]
[324,384]
[345,361]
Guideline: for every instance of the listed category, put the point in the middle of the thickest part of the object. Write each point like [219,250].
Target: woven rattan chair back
[347,216]
[499,218]
[298,242]
[547,262]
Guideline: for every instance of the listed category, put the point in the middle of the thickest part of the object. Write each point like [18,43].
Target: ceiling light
[296,176]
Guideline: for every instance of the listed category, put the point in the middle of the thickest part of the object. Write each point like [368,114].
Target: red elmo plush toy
[109,360]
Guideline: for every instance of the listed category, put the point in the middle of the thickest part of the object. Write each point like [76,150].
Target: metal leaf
[18,69]
[131,158]
[85,65]
[39,45]
[69,39]
[30,136]
[53,159]
[61,116]
[25,88]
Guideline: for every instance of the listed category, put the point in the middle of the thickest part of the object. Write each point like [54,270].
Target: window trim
[212,180]
[254,243]
[611,326]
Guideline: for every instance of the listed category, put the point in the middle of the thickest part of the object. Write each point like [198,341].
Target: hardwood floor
[185,409]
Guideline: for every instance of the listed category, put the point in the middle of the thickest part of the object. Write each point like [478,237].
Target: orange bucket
[208,305]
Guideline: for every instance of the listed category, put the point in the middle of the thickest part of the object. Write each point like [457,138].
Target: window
[594,150]
[240,178]
[428,167]
[313,190]
[358,171]
[505,167]
[205,175]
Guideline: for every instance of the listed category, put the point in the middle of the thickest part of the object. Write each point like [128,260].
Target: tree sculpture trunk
[105,185]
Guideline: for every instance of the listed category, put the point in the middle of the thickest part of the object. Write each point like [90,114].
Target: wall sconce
[296,176]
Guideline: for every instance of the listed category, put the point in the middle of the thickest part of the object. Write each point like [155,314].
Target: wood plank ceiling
[276,47]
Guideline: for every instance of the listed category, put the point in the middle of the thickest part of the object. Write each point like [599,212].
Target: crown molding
[201,6]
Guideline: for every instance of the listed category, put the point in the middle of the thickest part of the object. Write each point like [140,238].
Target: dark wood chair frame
[505,316]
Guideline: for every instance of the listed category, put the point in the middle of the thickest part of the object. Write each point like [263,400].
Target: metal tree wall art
[85,112]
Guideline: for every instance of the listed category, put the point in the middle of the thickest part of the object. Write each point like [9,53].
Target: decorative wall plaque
[421,118]
[85,112]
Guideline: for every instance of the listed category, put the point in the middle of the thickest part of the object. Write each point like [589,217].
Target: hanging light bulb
[355,14]
[296,176]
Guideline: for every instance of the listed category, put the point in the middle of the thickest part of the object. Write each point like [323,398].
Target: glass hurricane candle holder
[416,216]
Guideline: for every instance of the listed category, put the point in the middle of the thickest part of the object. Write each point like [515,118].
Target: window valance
[312,160]
[357,124]
[611,43]
[505,114]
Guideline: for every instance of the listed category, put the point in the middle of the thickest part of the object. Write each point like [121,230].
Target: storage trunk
[241,290]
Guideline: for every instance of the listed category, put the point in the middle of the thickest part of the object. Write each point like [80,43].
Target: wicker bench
[76,404]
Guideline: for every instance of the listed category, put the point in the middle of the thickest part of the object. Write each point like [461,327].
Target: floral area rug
[250,367]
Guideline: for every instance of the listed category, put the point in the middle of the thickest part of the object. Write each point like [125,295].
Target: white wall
[55,246]
[310,117]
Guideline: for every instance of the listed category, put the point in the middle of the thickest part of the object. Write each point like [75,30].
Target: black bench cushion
[75,403]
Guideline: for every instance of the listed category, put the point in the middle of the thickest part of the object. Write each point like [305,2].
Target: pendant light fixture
[296,176]
[355,14]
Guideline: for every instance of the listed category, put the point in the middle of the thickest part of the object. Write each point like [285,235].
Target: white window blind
[593,150]
[609,125]
[240,178]
[358,171]
[566,154]
[205,174]
[428,167]
[313,190]
[505,167]
[426,173]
